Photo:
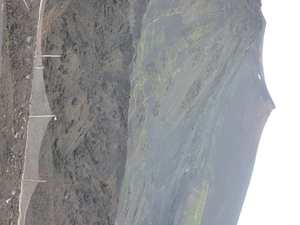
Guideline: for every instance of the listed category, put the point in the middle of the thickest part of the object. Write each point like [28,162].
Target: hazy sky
[274,192]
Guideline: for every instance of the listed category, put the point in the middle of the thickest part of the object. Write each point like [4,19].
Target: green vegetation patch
[193,212]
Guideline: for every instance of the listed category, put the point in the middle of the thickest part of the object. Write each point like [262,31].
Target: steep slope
[197,109]
[83,153]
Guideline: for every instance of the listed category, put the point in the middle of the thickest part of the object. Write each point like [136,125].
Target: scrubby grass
[193,212]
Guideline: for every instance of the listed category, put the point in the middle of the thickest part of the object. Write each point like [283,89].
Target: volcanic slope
[197,109]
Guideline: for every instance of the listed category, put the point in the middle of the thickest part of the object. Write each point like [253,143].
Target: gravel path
[39,117]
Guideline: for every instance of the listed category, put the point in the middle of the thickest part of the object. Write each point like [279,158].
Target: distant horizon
[273,193]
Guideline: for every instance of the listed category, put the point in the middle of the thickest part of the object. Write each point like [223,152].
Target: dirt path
[39,117]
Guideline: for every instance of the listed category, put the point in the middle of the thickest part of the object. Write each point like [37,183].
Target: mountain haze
[159,107]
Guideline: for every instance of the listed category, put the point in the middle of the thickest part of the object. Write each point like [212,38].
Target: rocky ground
[15,85]
[84,152]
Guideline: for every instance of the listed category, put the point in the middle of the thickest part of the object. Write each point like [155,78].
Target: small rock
[26,60]
[25,75]
[8,200]
[28,39]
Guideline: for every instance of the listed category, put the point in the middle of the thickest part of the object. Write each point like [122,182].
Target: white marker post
[259,77]
[38,181]
[49,56]
[42,116]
